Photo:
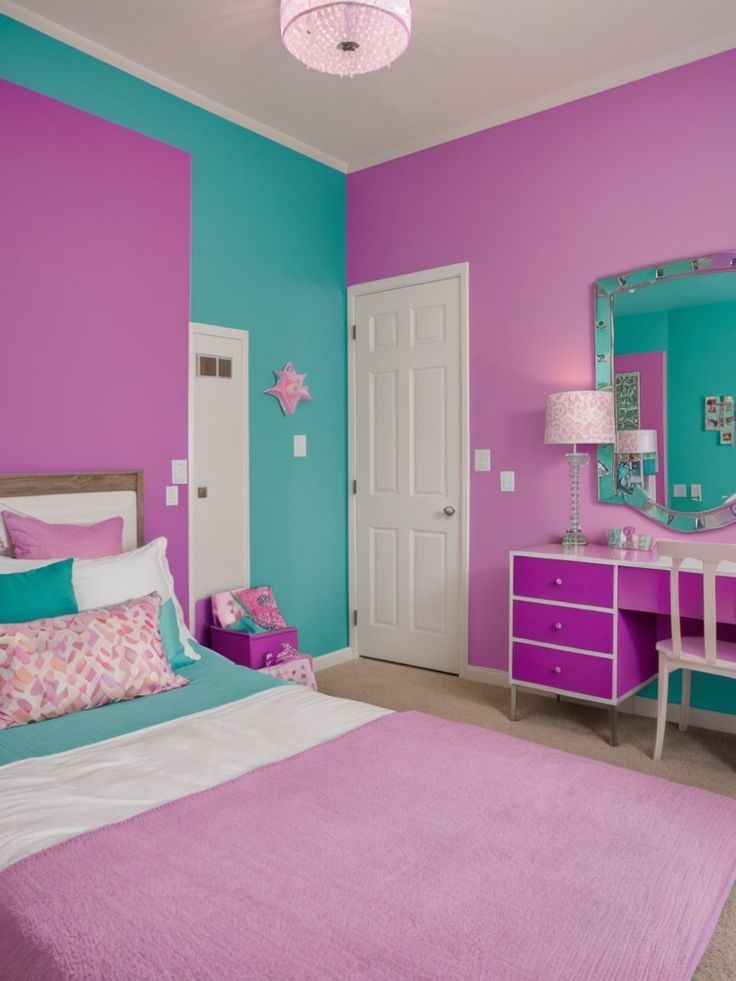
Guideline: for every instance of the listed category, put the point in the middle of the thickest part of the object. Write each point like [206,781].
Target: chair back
[710,555]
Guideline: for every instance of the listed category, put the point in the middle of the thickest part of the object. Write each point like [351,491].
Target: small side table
[251,650]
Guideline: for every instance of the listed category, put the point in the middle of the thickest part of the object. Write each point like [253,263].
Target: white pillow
[118,578]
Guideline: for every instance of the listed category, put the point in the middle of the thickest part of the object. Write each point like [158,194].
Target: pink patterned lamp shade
[579,417]
[636,441]
[346,37]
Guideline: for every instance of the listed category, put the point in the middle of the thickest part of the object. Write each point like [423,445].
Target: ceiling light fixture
[346,37]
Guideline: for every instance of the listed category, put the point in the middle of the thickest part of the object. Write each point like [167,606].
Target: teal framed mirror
[665,344]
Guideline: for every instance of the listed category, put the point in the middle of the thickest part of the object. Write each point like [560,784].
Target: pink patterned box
[298,669]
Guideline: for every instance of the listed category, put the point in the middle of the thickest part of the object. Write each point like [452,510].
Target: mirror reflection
[674,376]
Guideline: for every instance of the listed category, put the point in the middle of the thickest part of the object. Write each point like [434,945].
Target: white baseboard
[487,676]
[334,657]
[703,718]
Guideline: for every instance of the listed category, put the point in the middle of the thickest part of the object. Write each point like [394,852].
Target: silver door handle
[449,510]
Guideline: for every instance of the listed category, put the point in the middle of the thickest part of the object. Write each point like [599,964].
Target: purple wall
[540,208]
[94,279]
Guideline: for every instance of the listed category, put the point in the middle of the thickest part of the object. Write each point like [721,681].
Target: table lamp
[578,417]
[638,443]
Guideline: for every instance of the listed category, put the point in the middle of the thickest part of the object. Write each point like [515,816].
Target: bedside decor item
[257,606]
[292,666]
[289,389]
[636,460]
[627,538]
[345,37]
[578,417]
[252,650]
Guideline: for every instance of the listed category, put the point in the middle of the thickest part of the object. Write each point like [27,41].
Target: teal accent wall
[268,255]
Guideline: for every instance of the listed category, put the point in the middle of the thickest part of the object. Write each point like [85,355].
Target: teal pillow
[168,627]
[38,593]
[247,626]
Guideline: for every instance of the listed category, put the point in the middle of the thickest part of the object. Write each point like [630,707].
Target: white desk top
[614,556]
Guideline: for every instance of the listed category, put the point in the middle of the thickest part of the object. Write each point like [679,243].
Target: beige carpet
[697,757]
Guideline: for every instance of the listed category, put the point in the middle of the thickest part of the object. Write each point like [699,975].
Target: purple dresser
[584,622]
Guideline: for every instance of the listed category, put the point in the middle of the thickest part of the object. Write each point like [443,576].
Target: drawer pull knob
[558,670]
[558,625]
[558,581]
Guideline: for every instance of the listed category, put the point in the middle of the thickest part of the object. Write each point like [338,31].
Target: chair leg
[663,689]
[685,702]
[512,713]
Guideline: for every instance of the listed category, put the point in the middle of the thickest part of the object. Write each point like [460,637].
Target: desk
[584,621]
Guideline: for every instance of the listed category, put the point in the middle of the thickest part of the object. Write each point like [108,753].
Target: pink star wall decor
[289,389]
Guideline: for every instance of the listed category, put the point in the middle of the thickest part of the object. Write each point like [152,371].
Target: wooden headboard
[60,497]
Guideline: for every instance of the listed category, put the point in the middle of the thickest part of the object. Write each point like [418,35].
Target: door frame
[461,272]
[212,330]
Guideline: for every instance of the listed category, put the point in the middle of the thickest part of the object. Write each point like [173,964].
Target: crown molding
[644,69]
[99,51]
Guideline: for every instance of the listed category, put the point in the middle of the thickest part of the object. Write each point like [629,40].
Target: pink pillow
[32,538]
[63,664]
[259,604]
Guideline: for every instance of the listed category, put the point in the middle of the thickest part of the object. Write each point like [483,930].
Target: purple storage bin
[251,650]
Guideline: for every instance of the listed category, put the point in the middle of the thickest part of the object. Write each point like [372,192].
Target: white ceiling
[470,64]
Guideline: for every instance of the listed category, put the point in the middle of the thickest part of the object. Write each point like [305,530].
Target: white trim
[461,272]
[211,330]
[538,601]
[334,658]
[485,676]
[561,647]
[110,57]
[703,49]
[702,718]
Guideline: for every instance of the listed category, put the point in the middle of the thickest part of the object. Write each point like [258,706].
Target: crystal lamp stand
[574,534]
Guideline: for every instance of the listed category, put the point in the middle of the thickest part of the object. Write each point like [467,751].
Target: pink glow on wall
[540,208]
[94,269]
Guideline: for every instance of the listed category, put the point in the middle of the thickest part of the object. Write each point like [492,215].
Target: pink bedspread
[412,848]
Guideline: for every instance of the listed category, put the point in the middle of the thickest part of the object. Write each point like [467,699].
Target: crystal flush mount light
[346,37]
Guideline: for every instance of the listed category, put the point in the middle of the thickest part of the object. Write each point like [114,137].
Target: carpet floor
[698,757]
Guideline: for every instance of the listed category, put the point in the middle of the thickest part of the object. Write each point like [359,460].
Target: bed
[241,828]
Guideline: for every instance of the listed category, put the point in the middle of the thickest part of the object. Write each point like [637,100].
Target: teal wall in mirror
[664,337]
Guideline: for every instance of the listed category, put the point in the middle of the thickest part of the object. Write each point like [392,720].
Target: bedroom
[539,199]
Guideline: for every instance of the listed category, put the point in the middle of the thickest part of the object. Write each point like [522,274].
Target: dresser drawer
[586,583]
[581,674]
[567,626]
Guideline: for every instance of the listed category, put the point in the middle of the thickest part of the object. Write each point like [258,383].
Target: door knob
[449,510]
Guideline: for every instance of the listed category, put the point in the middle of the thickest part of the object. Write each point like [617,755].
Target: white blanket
[48,799]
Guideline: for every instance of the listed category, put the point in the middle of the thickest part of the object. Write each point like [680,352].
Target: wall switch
[172,496]
[679,490]
[300,446]
[507,480]
[179,472]
[696,492]
[482,463]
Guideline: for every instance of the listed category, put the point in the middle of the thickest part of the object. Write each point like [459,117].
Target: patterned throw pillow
[257,605]
[63,664]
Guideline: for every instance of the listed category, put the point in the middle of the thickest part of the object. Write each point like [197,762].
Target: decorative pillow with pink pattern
[64,664]
[257,605]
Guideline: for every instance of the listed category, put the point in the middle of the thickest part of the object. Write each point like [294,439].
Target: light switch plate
[179,472]
[696,492]
[508,481]
[679,490]
[300,446]
[172,496]
[482,461]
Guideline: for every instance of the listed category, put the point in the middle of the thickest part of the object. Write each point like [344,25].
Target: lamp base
[574,538]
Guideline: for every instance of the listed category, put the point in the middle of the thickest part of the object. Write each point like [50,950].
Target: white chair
[700,653]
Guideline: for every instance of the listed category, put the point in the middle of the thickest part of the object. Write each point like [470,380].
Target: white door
[218,499]
[409,572]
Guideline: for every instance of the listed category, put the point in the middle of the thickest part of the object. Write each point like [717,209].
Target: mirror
[665,338]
